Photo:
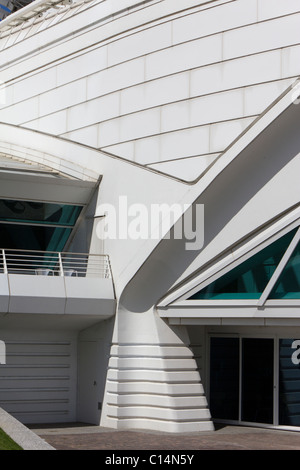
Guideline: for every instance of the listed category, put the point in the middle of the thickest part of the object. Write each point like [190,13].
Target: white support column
[152,380]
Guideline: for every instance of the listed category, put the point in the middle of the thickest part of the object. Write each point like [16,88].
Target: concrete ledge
[23,436]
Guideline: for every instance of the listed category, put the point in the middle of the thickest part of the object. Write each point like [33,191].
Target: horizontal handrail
[29,11]
[53,263]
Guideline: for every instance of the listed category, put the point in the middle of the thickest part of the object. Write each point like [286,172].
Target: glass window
[288,284]
[254,390]
[31,225]
[289,383]
[249,279]
[38,212]
[27,237]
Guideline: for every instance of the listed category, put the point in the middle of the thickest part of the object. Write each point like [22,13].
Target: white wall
[171,93]
[38,381]
[93,355]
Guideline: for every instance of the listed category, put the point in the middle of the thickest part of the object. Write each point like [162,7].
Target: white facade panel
[203,110]
[81,66]
[139,44]
[154,93]
[34,85]
[187,169]
[115,78]
[261,37]
[149,73]
[140,124]
[184,57]
[147,150]
[187,142]
[291,61]
[223,134]
[108,133]
[214,20]
[267,9]
[175,116]
[237,73]
[87,136]
[252,69]
[6,95]
[55,123]
[216,107]
[62,97]
[94,111]
[21,112]
[125,150]
[258,98]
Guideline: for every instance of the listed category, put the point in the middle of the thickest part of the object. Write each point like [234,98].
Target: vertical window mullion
[276,382]
[240,377]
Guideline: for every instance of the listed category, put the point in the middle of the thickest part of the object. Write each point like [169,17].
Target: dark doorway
[257,380]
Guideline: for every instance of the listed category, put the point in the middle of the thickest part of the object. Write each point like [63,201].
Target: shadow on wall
[264,158]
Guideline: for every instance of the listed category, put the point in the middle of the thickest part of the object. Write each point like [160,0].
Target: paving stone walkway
[85,437]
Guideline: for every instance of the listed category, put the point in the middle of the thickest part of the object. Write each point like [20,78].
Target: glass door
[255,380]
[257,387]
[224,378]
[242,379]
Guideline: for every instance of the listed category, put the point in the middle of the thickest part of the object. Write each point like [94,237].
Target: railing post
[61,269]
[107,270]
[4,262]
[5,270]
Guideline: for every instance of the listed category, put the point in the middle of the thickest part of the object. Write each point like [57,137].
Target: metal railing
[50,263]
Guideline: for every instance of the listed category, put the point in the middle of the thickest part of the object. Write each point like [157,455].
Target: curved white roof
[8,163]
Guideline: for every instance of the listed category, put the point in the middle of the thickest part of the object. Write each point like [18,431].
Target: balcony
[45,282]
[46,263]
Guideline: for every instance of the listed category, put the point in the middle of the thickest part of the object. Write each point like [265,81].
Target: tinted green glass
[288,284]
[249,279]
[289,383]
[26,237]
[38,212]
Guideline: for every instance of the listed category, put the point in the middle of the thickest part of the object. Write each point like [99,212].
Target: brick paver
[224,438]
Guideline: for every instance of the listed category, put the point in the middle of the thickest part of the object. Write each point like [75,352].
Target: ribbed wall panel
[158,388]
[36,382]
[156,385]
[161,401]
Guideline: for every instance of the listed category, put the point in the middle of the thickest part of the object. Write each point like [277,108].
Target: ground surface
[84,437]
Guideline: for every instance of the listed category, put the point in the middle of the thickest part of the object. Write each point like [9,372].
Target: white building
[110,111]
